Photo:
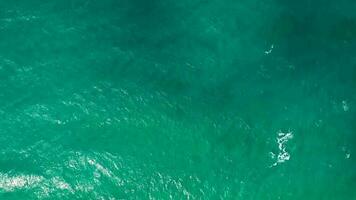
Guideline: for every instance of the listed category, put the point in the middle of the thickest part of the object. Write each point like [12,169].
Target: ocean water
[167,99]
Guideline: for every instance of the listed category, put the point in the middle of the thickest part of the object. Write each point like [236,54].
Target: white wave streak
[12,183]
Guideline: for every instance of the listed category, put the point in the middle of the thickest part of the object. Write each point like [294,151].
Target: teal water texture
[168,99]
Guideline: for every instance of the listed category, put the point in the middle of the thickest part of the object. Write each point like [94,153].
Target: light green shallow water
[164,99]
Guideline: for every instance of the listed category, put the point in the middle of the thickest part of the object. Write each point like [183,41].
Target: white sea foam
[345,106]
[283,155]
[270,50]
[10,183]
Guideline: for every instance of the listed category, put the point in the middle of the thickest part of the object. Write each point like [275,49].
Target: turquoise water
[219,99]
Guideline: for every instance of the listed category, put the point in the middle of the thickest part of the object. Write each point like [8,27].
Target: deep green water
[168,99]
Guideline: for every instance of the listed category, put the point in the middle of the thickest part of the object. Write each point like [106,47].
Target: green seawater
[177,99]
